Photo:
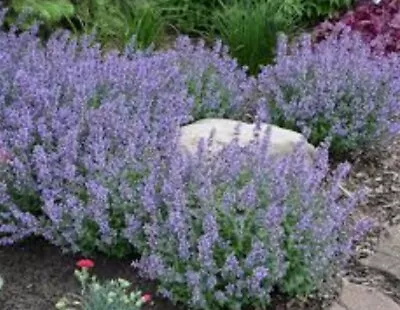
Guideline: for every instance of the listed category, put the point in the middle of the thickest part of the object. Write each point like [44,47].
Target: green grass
[116,21]
[250,29]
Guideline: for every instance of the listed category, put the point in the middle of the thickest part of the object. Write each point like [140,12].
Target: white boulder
[282,141]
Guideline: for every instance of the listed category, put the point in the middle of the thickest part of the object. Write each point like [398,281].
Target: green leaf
[49,10]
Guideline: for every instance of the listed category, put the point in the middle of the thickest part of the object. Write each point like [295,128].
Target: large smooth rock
[282,141]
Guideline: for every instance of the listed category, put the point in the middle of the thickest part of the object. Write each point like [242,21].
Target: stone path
[387,256]
[386,259]
[359,297]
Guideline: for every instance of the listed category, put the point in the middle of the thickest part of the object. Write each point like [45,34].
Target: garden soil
[37,275]
[379,174]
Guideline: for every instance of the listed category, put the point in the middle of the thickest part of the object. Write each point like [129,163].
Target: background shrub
[116,22]
[337,89]
[228,232]
[316,10]
[49,11]
[250,29]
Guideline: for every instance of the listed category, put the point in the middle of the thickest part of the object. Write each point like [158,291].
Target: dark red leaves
[379,24]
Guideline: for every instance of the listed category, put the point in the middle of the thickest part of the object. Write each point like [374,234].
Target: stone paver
[359,297]
[336,306]
[387,256]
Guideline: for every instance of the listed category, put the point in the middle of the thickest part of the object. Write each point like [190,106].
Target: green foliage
[26,199]
[324,8]
[50,11]
[193,17]
[115,22]
[112,295]
[250,29]
[51,14]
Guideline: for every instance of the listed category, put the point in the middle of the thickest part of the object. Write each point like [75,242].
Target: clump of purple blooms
[83,128]
[219,86]
[229,231]
[338,89]
[89,161]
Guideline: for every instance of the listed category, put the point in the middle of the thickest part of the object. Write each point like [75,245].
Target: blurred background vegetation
[248,27]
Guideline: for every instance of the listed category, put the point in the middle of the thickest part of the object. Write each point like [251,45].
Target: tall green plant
[194,16]
[314,10]
[115,22]
[250,29]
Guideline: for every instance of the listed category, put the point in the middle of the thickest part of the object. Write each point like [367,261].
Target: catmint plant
[81,130]
[337,89]
[219,86]
[232,228]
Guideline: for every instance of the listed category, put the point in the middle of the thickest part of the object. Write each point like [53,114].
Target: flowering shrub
[230,230]
[96,296]
[73,121]
[83,129]
[378,24]
[337,88]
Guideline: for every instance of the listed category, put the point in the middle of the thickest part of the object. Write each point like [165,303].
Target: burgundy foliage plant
[379,24]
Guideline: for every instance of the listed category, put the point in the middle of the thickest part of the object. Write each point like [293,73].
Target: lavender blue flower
[262,230]
[87,132]
[337,89]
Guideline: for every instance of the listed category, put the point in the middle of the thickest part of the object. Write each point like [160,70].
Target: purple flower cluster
[238,226]
[337,89]
[80,128]
[84,129]
[89,160]
[218,84]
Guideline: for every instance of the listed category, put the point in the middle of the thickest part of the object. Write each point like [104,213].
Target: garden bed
[37,275]
[91,160]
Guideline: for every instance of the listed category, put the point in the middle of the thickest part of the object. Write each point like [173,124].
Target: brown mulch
[379,174]
[36,275]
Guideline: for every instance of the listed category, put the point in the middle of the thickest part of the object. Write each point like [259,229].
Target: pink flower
[146,298]
[85,263]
